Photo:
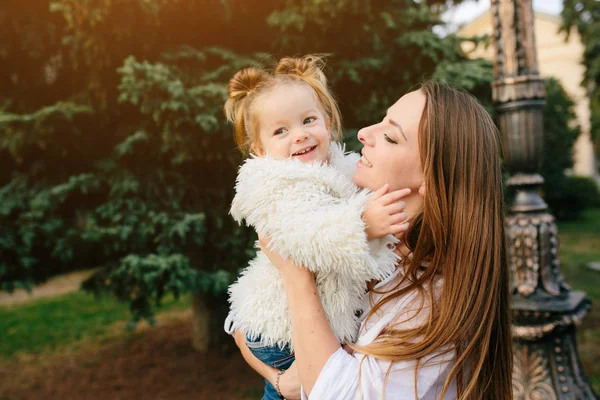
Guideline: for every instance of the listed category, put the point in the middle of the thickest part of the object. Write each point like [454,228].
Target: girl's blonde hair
[459,236]
[249,84]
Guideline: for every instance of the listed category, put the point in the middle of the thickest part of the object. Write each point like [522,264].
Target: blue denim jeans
[273,356]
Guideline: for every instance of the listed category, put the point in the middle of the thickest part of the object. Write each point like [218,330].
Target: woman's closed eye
[388,139]
[309,120]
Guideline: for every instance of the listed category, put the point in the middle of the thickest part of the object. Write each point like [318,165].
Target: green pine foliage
[114,150]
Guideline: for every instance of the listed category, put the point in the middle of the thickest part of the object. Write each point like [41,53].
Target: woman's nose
[363,136]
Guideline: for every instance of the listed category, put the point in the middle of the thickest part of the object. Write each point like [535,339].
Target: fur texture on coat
[313,215]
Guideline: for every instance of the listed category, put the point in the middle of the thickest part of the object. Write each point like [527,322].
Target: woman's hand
[266,371]
[285,267]
[289,383]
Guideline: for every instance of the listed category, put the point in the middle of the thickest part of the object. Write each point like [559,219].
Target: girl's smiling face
[291,123]
[391,147]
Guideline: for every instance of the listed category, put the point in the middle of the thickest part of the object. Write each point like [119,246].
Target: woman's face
[391,147]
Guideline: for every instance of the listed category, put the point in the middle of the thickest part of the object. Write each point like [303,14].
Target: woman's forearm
[314,341]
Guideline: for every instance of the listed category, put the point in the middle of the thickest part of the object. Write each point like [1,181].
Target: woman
[439,327]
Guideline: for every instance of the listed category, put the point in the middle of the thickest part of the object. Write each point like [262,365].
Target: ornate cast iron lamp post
[545,310]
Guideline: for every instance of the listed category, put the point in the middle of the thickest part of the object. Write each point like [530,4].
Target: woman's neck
[402,251]
[414,204]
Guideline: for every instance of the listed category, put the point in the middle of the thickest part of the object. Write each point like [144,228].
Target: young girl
[297,189]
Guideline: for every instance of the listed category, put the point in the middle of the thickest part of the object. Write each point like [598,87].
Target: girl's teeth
[299,153]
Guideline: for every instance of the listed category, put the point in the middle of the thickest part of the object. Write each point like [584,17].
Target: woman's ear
[422,189]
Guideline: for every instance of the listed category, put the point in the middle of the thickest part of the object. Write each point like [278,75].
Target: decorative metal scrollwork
[523,255]
[545,311]
[533,254]
[531,378]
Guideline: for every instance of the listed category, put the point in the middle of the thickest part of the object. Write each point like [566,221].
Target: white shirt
[339,378]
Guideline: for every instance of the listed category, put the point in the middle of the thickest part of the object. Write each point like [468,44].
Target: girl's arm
[314,341]
[315,217]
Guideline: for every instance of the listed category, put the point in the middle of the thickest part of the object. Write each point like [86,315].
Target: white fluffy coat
[313,214]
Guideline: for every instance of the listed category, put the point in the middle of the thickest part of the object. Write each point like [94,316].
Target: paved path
[53,287]
[594,266]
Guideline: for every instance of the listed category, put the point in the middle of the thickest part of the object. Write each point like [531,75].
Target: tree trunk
[200,323]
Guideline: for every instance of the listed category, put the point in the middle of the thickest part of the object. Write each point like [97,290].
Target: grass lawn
[80,321]
[74,346]
[65,321]
[579,245]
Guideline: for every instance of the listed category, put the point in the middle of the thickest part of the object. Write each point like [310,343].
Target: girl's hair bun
[245,81]
[249,84]
[240,89]
[307,67]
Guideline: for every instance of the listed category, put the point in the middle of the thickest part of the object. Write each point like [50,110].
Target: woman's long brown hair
[458,235]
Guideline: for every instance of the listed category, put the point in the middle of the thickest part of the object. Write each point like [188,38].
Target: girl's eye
[279,131]
[309,120]
[388,139]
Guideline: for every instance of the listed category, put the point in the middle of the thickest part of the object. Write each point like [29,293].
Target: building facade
[558,58]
